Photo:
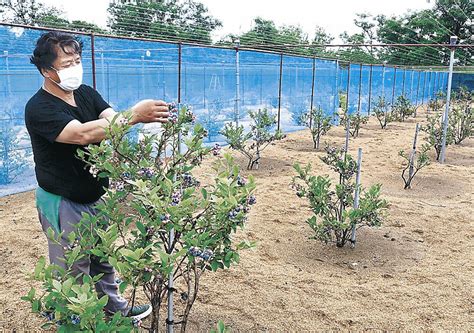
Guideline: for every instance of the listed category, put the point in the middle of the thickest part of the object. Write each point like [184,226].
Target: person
[62,117]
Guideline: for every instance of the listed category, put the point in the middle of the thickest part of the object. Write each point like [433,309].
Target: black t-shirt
[58,169]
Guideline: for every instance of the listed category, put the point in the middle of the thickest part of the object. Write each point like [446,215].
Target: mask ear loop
[57,72]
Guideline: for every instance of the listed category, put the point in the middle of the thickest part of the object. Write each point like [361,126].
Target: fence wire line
[278,47]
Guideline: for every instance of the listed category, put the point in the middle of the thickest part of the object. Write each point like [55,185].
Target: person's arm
[146,111]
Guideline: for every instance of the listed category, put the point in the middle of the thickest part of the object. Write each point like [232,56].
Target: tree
[267,36]
[178,20]
[427,26]
[356,53]
[30,12]
[79,25]
[321,37]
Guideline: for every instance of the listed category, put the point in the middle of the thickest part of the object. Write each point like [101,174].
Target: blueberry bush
[252,143]
[402,108]
[13,159]
[356,121]
[461,117]
[70,302]
[157,222]
[413,163]
[332,206]
[382,112]
[434,133]
[318,123]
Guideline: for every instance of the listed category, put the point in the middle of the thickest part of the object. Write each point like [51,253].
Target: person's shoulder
[37,99]
[39,103]
[84,88]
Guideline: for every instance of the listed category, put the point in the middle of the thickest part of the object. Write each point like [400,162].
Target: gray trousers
[70,213]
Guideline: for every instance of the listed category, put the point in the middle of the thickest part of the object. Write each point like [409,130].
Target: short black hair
[46,50]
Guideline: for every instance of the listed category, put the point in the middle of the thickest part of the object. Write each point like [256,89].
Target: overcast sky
[237,16]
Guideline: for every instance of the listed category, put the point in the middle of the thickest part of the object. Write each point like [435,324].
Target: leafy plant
[70,302]
[213,123]
[342,100]
[318,123]
[402,108]
[334,214]
[13,159]
[461,117]
[356,120]
[298,110]
[158,225]
[436,104]
[220,328]
[382,112]
[434,131]
[252,144]
[414,162]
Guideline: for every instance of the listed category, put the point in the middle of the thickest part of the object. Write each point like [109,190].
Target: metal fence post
[360,88]
[424,86]
[394,84]
[312,94]
[452,42]
[347,88]
[403,81]
[7,67]
[142,81]
[383,81]
[102,68]
[237,82]
[336,97]
[204,87]
[417,90]
[279,91]
[180,65]
[93,60]
[429,83]
[370,89]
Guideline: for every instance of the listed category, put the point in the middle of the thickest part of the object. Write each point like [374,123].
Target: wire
[280,38]
[279,49]
[469,18]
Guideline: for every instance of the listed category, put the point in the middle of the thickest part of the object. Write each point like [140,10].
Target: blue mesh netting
[296,91]
[128,71]
[325,86]
[462,79]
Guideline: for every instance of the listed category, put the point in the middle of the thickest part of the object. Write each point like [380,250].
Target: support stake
[356,195]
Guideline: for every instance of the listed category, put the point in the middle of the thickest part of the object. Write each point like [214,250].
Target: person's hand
[150,111]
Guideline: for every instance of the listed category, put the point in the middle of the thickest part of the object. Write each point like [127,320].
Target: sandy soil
[413,273]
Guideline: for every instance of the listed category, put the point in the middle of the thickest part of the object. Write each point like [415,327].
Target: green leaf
[57,285]
[214,266]
[140,227]
[39,267]
[103,301]
[46,326]
[204,193]
[123,286]
[36,306]
[31,294]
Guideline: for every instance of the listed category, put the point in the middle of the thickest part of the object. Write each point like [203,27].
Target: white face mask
[70,78]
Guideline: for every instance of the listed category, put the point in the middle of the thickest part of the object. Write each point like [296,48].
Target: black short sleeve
[57,168]
[47,119]
[99,103]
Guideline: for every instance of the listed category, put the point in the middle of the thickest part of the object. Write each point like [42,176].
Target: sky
[335,16]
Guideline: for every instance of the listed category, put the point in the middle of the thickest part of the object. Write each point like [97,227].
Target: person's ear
[45,72]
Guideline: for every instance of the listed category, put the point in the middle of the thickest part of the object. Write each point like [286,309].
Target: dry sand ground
[413,273]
